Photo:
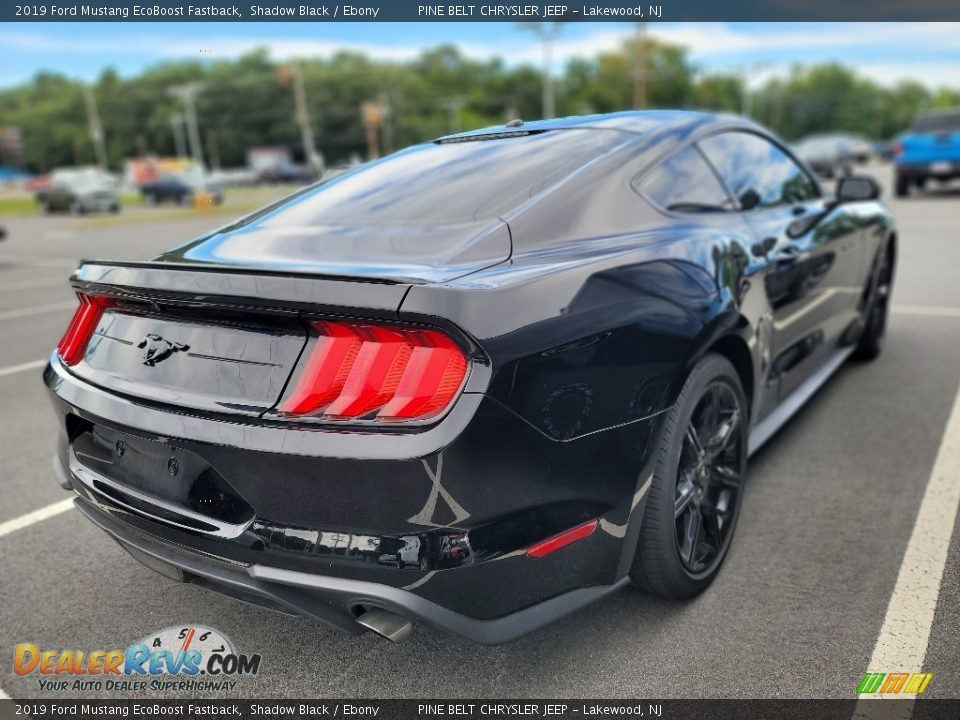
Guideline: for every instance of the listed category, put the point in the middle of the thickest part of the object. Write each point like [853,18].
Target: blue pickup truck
[929,149]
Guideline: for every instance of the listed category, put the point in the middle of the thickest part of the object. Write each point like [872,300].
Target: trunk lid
[210,339]
[410,254]
[201,362]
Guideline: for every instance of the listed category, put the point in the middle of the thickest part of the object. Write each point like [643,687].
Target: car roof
[638,122]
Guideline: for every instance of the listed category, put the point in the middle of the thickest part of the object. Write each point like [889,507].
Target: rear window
[938,122]
[445,183]
[685,183]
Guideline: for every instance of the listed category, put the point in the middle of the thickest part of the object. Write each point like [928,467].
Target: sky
[884,52]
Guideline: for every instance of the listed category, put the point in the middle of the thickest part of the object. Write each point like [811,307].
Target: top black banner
[504,11]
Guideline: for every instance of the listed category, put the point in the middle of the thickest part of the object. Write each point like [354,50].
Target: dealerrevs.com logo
[188,658]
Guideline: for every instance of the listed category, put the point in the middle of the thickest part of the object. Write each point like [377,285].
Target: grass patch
[239,201]
[18,205]
[167,214]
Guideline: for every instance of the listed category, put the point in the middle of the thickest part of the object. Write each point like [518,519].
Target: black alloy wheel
[708,478]
[695,494]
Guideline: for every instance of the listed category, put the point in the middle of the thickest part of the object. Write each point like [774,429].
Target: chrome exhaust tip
[386,624]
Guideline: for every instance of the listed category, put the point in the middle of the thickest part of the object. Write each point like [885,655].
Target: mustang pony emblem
[156,349]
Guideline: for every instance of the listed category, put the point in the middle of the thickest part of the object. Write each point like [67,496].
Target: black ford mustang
[480,383]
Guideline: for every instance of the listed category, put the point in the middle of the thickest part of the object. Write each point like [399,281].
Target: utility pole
[310,154]
[96,129]
[640,67]
[372,119]
[187,93]
[179,142]
[212,149]
[386,108]
[547,32]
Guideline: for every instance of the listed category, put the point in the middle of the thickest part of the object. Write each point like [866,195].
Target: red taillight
[897,149]
[79,331]
[357,369]
[553,544]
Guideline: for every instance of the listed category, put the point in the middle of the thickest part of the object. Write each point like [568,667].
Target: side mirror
[857,188]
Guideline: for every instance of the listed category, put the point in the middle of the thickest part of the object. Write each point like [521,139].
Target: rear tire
[902,186]
[695,494]
[875,322]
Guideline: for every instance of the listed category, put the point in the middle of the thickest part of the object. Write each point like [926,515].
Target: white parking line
[21,285]
[37,310]
[930,310]
[40,260]
[902,643]
[19,523]
[22,367]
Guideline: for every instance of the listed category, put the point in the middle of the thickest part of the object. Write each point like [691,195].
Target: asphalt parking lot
[797,611]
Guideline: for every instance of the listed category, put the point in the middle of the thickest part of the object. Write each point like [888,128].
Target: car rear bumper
[945,169]
[430,525]
[337,602]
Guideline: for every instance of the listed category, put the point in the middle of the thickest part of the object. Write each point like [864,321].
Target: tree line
[249,101]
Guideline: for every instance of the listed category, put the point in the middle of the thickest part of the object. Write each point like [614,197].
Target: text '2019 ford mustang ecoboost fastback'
[480,383]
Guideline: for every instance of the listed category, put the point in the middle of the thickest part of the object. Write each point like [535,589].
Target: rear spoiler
[186,282]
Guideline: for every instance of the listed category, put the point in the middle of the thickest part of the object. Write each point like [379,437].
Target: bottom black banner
[489,709]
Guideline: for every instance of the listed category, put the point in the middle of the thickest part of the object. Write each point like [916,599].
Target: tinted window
[685,183]
[757,172]
[444,183]
[941,122]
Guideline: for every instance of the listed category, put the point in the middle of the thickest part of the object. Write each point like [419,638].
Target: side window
[757,172]
[685,183]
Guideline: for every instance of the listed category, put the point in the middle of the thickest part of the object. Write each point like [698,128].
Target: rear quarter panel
[604,305]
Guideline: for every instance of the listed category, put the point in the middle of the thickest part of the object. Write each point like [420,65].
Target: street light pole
[746,74]
[453,106]
[547,32]
[96,129]
[640,68]
[549,97]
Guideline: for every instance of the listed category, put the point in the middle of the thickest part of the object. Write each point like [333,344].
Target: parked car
[829,156]
[929,150]
[233,177]
[79,191]
[884,149]
[283,174]
[37,183]
[861,149]
[179,188]
[535,357]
